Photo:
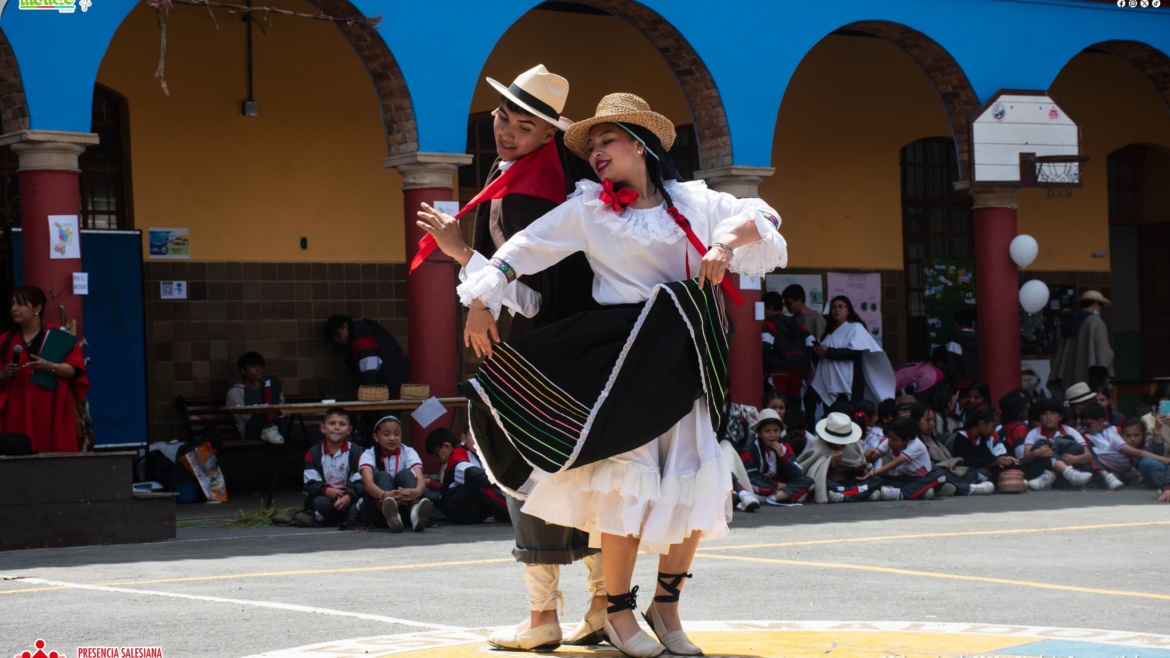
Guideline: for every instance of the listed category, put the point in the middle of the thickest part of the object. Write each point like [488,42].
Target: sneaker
[929,495]
[771,500]
[981,489]
[836,497]
[1076,478]
[272,435]
[1043,481]
[890,493]
[306,519]
[1113,482]
[946,490]
[750,502]
[419,514]
[390,511]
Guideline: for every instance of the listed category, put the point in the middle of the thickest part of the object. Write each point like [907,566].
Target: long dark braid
[659,169]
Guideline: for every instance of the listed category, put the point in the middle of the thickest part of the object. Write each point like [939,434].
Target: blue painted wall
[751,47]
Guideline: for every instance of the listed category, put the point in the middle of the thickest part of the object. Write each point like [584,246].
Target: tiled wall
[277,309]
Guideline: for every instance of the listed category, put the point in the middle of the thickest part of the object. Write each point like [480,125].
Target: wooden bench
[205,420]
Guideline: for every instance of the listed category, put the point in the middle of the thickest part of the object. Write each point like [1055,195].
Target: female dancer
[605,421]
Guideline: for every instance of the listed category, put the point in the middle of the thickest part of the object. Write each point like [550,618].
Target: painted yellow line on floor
[937,535]
[930,574]
[312,572]
[33,589]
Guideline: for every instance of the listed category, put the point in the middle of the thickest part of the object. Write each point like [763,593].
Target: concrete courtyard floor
[1070,573]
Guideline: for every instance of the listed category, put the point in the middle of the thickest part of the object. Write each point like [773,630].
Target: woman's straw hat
[626,108]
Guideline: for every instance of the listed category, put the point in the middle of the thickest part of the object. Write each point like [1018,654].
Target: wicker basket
[374,393]
[415,391]
[1011,481]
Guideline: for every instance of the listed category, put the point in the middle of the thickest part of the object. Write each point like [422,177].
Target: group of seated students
[383,486]
[901,449]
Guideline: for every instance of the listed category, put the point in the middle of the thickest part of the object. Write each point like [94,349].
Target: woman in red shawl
[47,416]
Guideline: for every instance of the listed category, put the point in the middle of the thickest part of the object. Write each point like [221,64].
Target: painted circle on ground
[793,639]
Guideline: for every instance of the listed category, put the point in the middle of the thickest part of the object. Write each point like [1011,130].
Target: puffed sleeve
[521,299]
[545,242]
[760,257]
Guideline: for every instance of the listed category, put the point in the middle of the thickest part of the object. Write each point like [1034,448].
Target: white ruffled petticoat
[660,492]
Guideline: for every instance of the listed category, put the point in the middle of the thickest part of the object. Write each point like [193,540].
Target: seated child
[1015,408]
[261,426]
[865,415]
[887,410]
[771,463]
[835,461]
[467,494]
[393,479]
[959,478]
[1050,446]
[979,446]
[1113,452]
[735,433]
[907,474]
[796,432]
[333,485]
[1154,469]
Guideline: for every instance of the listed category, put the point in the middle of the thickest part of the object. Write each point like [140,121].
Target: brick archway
[958,98]
[1153,63]
[698,86]
[13,104]
[390,85]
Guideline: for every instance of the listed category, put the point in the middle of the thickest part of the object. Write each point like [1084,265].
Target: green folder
[57,345]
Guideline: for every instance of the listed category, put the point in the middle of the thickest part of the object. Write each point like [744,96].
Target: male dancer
[527,121]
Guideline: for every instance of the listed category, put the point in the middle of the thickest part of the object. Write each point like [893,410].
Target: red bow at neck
[619,199]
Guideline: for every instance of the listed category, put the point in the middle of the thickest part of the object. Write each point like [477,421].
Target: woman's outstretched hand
[445,230]
[480,332]
[714,265]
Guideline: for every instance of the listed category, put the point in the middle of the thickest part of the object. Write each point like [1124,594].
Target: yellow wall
[1114,105]
[852,105]
[594,53]
[249,187]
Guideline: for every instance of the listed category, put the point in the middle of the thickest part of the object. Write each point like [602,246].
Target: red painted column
[746,358]
[432,307]
[997,282]
[49,174]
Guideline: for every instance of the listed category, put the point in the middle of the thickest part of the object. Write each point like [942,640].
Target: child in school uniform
[467,495]
[333,485]
[980,447]
[1014,410]
[961,479]
[1113,452]
[1153,468]
[1049,448]
[907,474]
[771,462]
[393,479]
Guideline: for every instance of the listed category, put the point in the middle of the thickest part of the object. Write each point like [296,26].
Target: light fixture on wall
[251,107]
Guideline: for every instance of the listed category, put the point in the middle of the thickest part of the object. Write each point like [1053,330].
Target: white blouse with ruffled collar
[634,250]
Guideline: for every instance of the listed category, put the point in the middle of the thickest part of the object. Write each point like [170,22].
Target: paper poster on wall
[170,243]
[64,240]
[814,291]
[865,292]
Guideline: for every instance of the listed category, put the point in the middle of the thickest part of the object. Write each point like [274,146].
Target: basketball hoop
[1060,174]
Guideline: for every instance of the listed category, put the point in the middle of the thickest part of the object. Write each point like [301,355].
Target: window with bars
[936,224]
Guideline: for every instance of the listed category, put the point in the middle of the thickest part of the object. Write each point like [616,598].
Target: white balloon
[1034,296]
[1024,250]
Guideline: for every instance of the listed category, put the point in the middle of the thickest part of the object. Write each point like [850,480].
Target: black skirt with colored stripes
[599,383]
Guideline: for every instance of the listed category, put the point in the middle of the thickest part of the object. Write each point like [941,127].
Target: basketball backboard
[1014,127]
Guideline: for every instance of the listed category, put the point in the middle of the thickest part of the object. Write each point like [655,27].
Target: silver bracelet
[720,245]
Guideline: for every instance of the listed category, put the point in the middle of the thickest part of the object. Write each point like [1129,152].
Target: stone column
[47,164]
[432,309]
[997,282]
[746,359]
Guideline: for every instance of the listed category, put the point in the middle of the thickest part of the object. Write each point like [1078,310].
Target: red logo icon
[40,645]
